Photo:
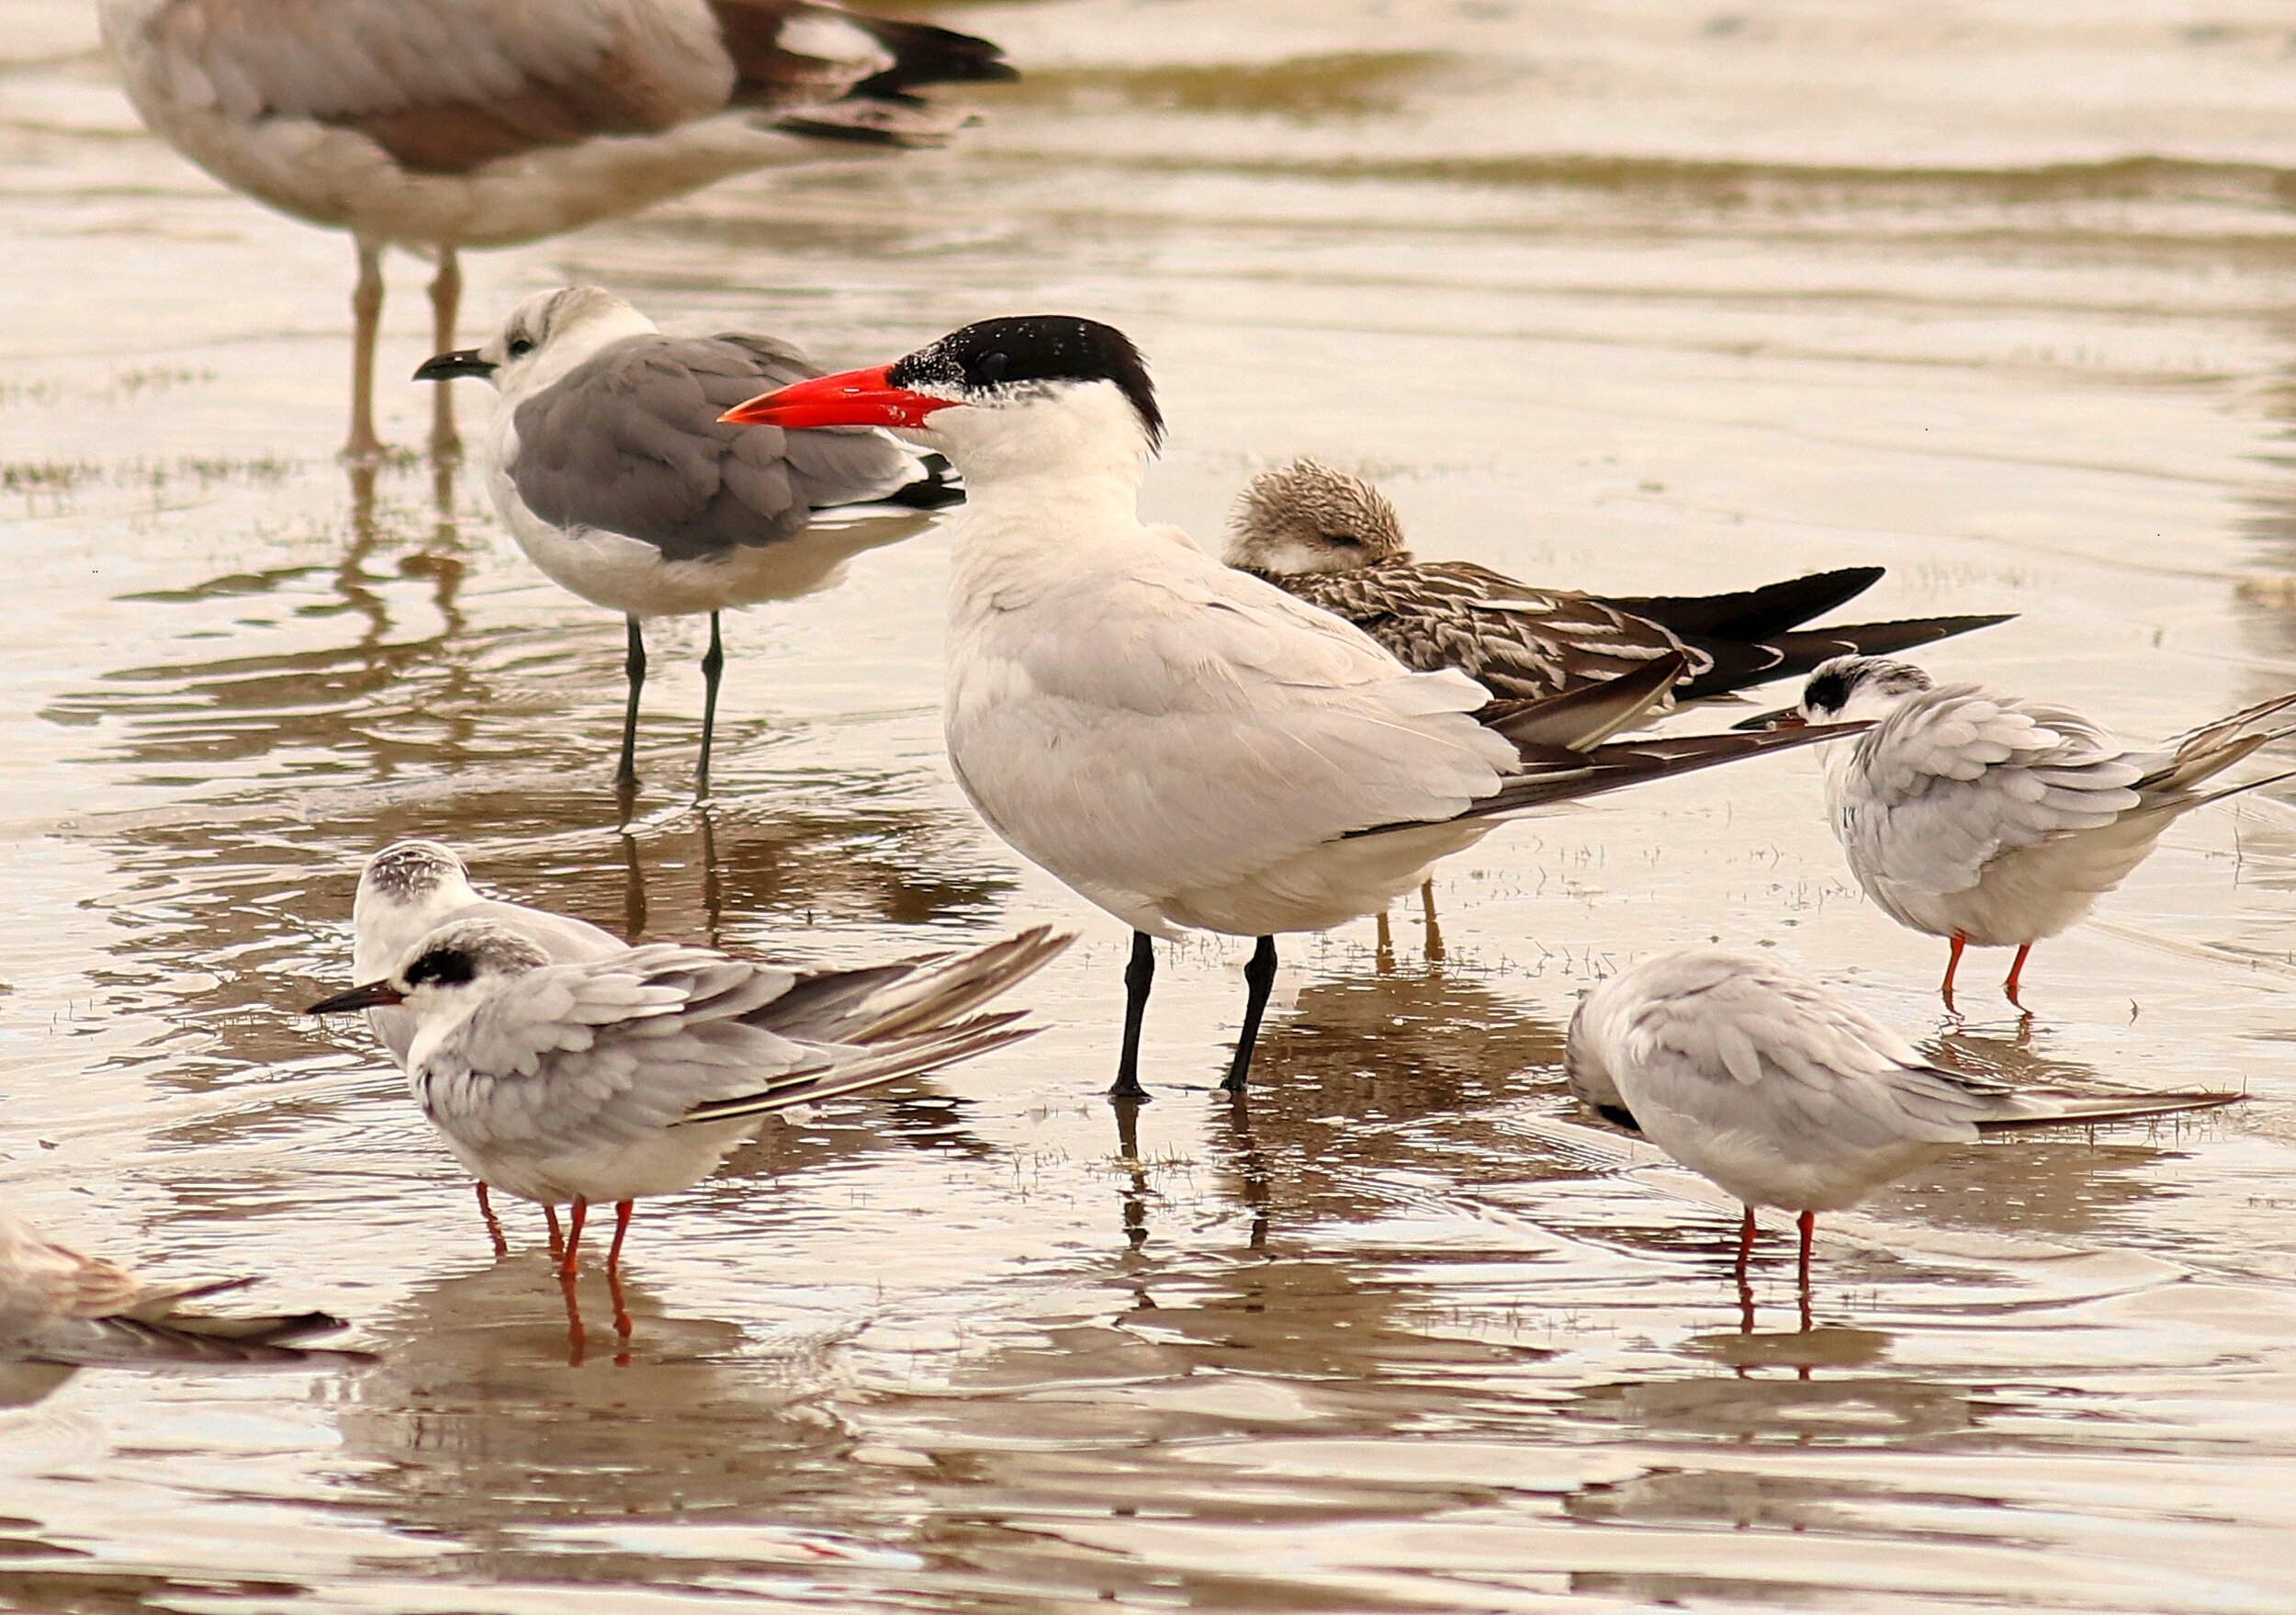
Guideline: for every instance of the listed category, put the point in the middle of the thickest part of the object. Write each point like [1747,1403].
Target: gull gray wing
[1520,641]
[629,441]
[1955,778]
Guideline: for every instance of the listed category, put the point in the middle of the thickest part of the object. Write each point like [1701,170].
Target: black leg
[1139,975]
[634,666]
[713,664]
[1259,979]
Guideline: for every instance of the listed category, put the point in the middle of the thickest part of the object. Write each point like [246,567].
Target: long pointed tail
[1568,777]
[195,1338]
[908,996]
[873,1066]
[2051,1107]
[2198,754]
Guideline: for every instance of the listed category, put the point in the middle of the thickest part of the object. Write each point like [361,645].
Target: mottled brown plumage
[1334,541]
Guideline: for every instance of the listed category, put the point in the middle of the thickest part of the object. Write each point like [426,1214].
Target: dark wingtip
[926,54]
[938,489]
[1793,655]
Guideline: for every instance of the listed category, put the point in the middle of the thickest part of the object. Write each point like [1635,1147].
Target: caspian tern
[436,125]
[635,1074]
[1335,541]
[607,461]
[1993,820]
[1786,1096]
[1185,745]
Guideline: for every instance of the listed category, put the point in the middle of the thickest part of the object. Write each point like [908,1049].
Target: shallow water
[1639,297]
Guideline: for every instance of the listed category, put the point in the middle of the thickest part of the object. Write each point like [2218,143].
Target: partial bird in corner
[1335,540]
[1993,820]
[61,1310]
[1185,745]
[607,461]
[437,125]
[1769,1085]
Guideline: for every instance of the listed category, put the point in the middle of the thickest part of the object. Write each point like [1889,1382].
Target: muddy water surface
[1641,297]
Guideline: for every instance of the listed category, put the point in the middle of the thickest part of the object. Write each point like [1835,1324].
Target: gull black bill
[446,366]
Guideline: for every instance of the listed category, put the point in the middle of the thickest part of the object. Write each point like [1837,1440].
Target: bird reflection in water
[475,1429]
[1333,1123]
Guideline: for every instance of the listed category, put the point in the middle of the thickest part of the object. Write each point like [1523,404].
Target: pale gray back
[629,442]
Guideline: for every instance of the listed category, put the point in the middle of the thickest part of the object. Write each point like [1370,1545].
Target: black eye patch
[990,368]
[1826,693]
[448,966]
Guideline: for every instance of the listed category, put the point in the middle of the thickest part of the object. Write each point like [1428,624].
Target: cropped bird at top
[1183,744]
[61,1308]
[612,1078]
[1783,1095]
[607,461]
[436,125]
[1993,820]
[1335,540]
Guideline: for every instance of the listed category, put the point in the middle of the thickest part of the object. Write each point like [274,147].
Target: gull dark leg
[366,321]
[1953,963]
[1259,979]
[2017,970]
[1139,974]
[579,1210]
[1431,945]
[446,302]
[494,1229]
[634,669]
[713,665]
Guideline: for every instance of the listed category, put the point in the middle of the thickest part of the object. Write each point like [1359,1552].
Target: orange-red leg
[576,1341]
[622,1210]
[574,1216]
[2016,970]
[614,1268]
[1953,963]
[494,1229]
[558,1239]
[1808,1225]
[1745,1285]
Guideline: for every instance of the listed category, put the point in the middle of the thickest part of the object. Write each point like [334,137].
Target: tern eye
[520,346]
[991,366]
[448,966]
